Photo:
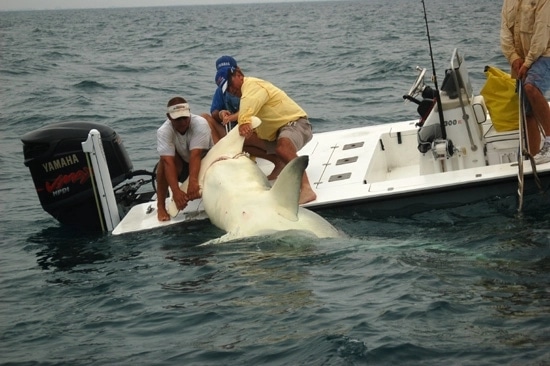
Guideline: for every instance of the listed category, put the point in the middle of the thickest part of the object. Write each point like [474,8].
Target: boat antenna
[434,78]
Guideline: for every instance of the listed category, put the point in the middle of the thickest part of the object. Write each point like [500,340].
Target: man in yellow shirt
[285,127]
[525,41]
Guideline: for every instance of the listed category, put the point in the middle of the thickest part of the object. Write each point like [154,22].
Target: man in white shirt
[182,141]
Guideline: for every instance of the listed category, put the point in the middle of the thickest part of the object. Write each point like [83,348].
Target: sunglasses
[181,119]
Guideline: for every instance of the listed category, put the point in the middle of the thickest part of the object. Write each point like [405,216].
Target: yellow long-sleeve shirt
[273,106]
[525,30]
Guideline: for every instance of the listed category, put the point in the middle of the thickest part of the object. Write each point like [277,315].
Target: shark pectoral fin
[290,215]
[255,121]
[230,236]
[286,189]
[171,208]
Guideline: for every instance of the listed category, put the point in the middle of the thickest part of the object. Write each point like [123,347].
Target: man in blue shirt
[223,103]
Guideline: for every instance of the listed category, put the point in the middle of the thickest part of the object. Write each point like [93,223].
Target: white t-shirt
[197,136]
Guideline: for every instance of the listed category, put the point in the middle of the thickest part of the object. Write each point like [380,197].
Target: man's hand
[230,118]
[193,190]
[522,73]
[516,66]
[180,199]
[245,130]
[222,115]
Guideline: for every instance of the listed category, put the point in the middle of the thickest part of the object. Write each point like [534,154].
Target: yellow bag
[501,99]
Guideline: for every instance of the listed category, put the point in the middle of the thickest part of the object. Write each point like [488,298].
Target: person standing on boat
[525,41]
[285,128]
[182,141]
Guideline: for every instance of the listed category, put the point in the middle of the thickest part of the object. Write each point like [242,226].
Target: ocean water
[462,286]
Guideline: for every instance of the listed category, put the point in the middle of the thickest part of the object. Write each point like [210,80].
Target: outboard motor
[62,174]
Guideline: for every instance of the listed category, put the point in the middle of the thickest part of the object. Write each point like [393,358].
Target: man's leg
[218,131]
[257,147]
[540,114]
[162,186]
[286,151]
[162,192]
[536,83]
[533,135]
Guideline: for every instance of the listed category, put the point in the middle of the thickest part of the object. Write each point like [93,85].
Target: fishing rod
[434,78]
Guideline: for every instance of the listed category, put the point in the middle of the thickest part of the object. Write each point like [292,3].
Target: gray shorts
[184,173]
[299,132]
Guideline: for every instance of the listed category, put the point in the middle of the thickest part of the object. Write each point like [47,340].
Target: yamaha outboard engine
[62,174]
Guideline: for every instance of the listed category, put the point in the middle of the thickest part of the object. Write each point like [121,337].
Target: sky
[6,5]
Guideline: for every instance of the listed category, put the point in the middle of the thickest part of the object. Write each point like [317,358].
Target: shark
[238,198]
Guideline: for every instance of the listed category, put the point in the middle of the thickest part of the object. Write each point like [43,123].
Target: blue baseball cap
[225,61]
[222,75]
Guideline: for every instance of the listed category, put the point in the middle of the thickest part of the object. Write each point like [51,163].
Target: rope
[522,151]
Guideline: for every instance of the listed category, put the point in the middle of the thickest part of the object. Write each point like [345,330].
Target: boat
[450,155]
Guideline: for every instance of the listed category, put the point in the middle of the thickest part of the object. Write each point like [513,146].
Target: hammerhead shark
[238,198]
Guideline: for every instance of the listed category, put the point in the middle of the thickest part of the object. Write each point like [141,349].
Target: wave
[92,85]
[57,55]
[129,69]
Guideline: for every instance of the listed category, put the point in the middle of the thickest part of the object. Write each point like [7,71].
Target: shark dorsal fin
[286,189]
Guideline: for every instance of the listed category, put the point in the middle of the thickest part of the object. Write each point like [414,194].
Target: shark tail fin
[286,189]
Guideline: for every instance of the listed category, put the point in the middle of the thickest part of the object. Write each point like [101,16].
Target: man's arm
[254,96]
[171,174]
[193,190]
[506,35]
[218,104]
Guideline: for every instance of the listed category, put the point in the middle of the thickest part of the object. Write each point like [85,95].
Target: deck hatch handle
[353,145]
[337,177]
[350,160]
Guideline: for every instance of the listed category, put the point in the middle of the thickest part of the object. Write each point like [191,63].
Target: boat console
[462,136]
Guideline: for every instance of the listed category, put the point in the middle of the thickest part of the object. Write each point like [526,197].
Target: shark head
[227,147]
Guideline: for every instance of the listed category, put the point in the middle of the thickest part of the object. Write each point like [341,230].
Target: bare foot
[307,195]
[162,214]
[276,170]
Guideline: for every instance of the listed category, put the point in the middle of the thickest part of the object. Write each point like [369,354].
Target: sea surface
[462,286]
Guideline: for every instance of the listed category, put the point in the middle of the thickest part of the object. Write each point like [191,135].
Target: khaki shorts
[299,132]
